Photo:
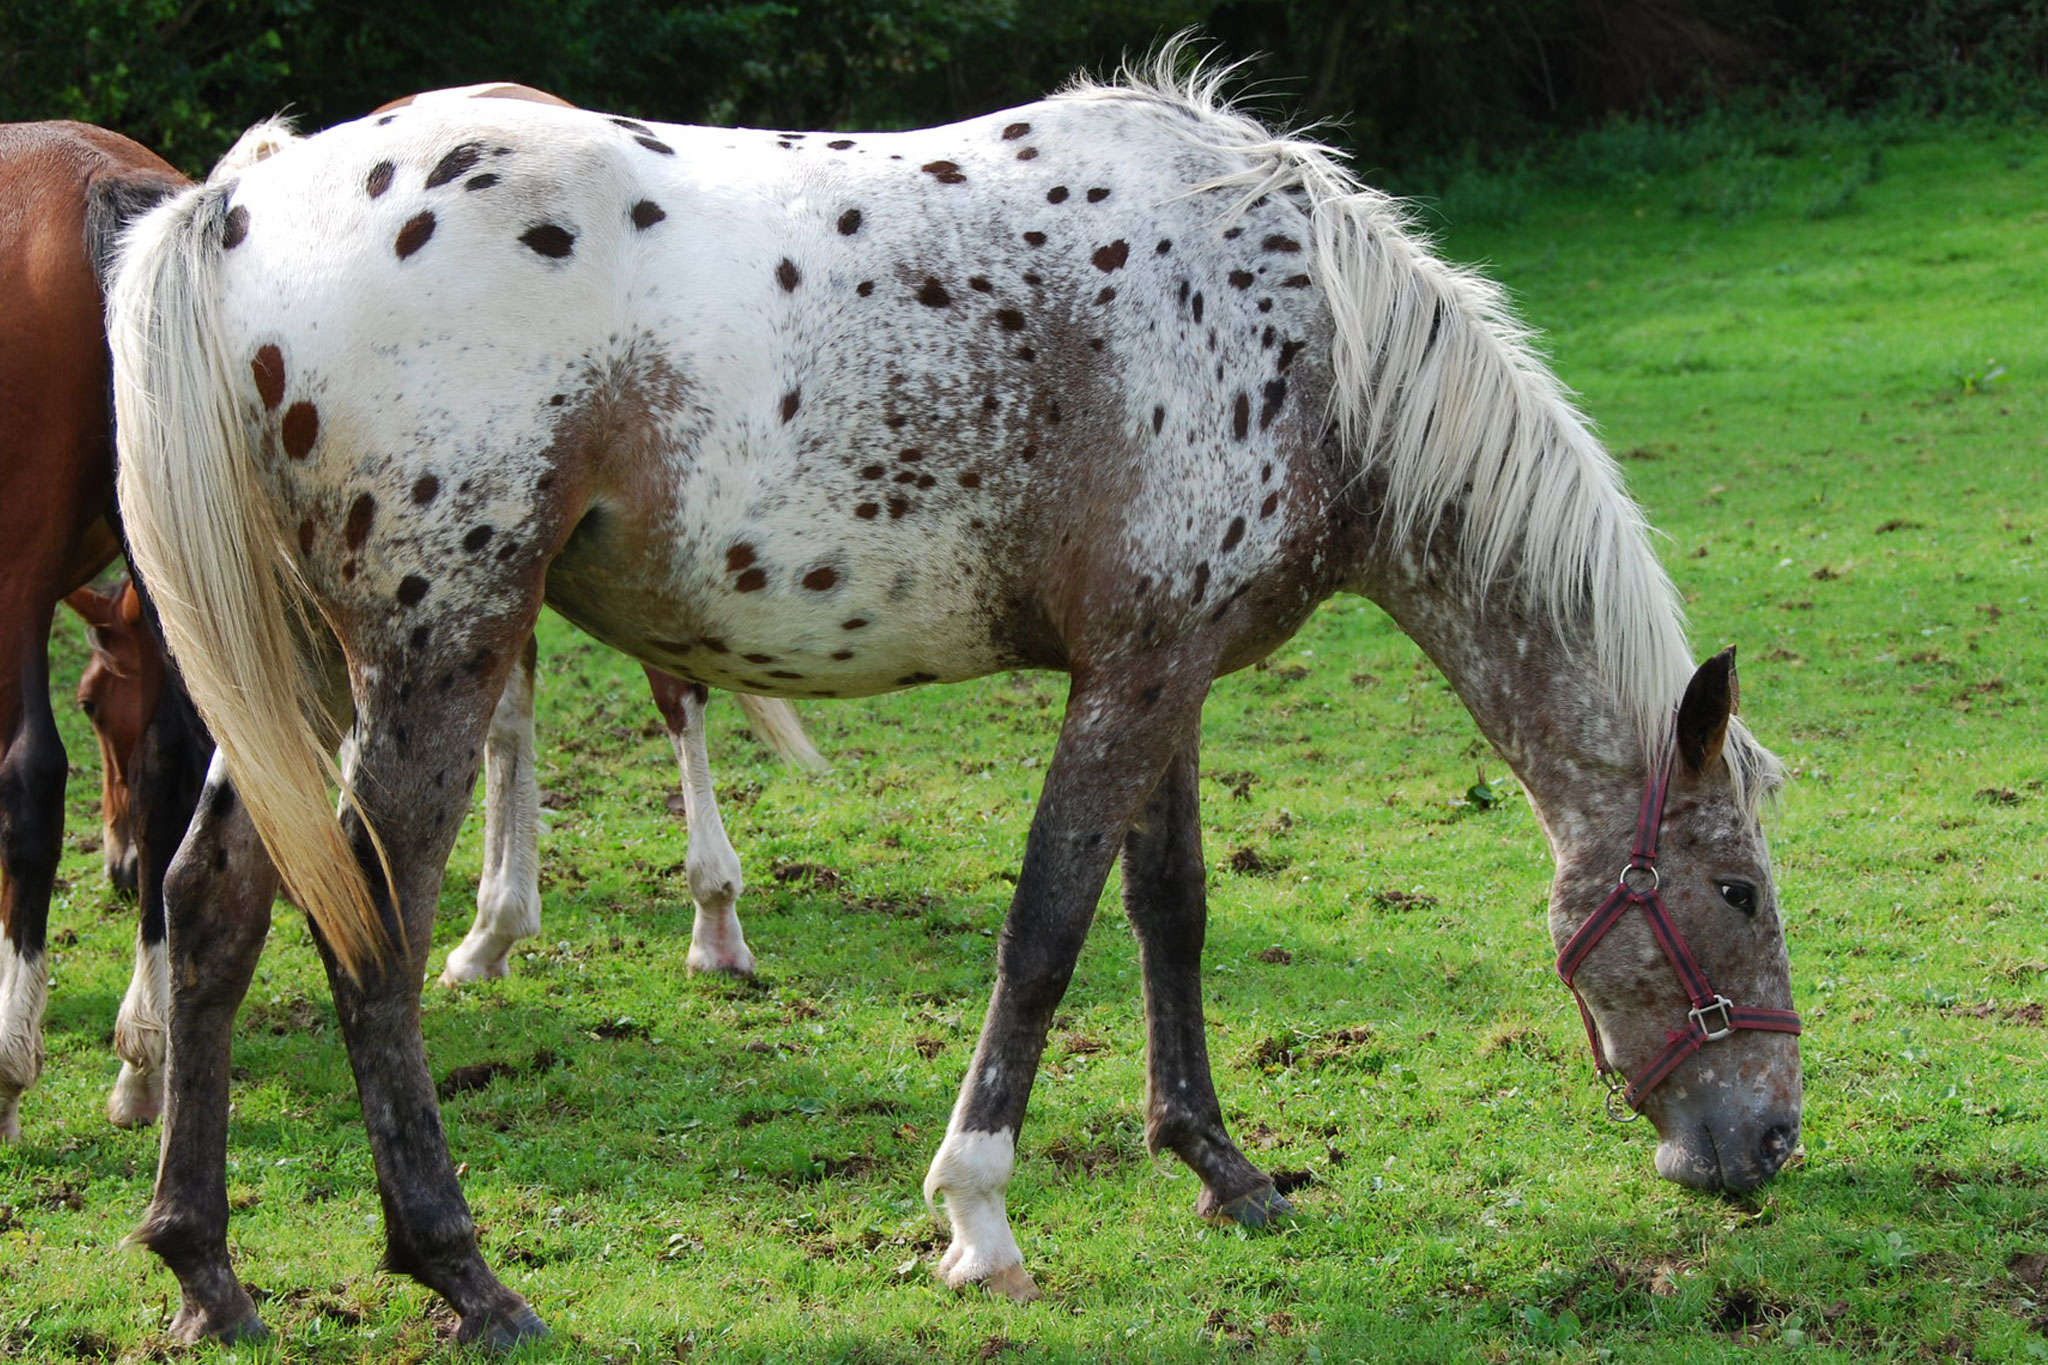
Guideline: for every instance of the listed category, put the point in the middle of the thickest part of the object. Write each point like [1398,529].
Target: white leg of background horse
[716,941]
[138,1094]
[508,893]
[24,989]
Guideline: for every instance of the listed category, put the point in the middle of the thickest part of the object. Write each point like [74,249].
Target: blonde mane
[1439,389]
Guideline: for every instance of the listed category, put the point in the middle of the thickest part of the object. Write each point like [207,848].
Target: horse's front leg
[421,722]
[1124,723]
[217,897]
[713,867]
[508,892]
[1166,903]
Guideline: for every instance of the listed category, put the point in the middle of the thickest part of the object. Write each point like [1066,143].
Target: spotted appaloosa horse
[1121,384]
[67,189]
[119,689]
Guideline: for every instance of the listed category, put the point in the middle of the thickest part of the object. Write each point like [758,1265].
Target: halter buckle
[1640,892]
[1615,1101]
[1725,1008]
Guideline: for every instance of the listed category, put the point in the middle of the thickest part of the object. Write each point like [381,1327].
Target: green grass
[679,1168]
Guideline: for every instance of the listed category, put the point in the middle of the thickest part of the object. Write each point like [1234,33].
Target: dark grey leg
[1122,727]
[415,794]
[1164,898]
[217,898]
[32,770]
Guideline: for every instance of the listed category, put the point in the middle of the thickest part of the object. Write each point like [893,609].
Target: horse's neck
[1530,683]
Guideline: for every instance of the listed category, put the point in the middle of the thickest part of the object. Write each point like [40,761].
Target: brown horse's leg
[32,769]
[217,898]
[1123,725]
[1164,898]
[415,793]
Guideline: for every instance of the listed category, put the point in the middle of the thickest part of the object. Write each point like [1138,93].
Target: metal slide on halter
[1121,384]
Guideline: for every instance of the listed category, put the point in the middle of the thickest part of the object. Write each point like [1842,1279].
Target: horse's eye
[89,706]
[1741,895]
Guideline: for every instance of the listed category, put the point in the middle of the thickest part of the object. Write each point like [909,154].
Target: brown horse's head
[118,694]
[1677,953]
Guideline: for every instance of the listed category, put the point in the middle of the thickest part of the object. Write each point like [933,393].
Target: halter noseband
[1712,1016]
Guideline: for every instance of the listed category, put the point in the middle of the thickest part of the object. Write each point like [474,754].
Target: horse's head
[118,693]
[1675,948]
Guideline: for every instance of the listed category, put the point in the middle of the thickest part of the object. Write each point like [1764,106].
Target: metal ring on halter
[1615,1101]
[1656,880]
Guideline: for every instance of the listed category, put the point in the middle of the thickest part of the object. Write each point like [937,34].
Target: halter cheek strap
[1712,1017]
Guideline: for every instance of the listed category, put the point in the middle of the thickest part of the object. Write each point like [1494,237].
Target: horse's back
[793,380]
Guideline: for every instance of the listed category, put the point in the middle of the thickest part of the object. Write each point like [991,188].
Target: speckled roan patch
[1121,384]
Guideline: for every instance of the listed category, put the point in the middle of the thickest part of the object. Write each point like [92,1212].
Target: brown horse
[68,189]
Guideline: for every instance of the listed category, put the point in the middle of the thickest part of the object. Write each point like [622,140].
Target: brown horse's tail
[207,540]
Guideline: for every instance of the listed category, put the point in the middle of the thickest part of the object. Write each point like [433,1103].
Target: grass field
[1798,359]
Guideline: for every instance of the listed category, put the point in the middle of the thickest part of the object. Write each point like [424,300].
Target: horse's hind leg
[1164,898]
[508,892]
[713,867]
[170,765]
[32,770]
[1122,728]
[217,897]
[421,719]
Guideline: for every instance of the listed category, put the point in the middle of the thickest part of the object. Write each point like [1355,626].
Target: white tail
[207,543]
[775,721]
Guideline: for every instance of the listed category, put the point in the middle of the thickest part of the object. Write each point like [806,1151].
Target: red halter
[1712,1016]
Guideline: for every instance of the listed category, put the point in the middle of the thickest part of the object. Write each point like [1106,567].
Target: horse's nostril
[1775,1146]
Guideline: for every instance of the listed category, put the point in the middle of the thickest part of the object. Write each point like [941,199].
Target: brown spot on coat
[379,179]
[549,239]
[840,144]
[854,624]
[414,234]
[480,182]
[300,429]
[1013,131]
[1097,195]
[1240,279]
[477,538]
[1241,417]
[821,579]
[424,490]
[1280,242]
[1108,294]
[868,511]
[656,145]
[849,222]
[458,162]
[1113,256]
[970,479]
[753,580]
[1056,195]
[1296,282]
[1158,419]
[1275,399]
[1028,154]
[268,368]
[411,589]
[864,288]
[790,402]
[739,556]
[647,213]
[1010,319]
[933,294]
[1236,533]
[1267,507]
[897,507]
[787,275]
[360,514]
[945,172]
[306,536]
[980,284]
[1034,239]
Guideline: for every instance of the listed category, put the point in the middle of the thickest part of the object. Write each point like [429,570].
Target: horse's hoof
[739,969]
[463,972]
[1261,1208]
[193,1325]
[498,1332]
[10,1119]
[1013,1282]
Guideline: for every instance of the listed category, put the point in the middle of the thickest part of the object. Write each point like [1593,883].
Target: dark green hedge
[1416,79]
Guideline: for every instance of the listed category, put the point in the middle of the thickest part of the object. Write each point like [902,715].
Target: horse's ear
[1710,699]
[94,607]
